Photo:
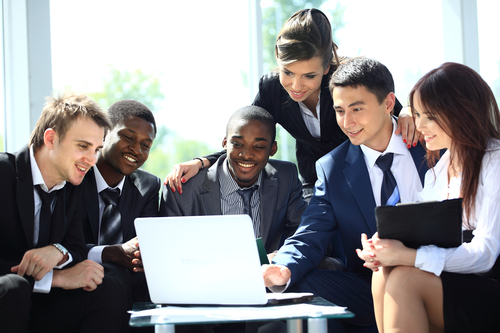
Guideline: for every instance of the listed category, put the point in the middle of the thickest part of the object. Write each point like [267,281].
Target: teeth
[130,158]
[429,136]
[355,132]
[245,165]
[79,167]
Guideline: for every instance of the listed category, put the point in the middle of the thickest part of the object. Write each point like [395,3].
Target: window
[489,49]
[193,55]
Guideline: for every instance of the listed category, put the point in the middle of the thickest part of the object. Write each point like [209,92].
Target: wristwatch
[61,248]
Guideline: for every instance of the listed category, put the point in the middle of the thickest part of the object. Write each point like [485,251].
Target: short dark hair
[128,108]
[253,112]
[60,112]
[361,71]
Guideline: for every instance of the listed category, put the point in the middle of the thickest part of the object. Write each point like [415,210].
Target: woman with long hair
[434,289]
[297,96]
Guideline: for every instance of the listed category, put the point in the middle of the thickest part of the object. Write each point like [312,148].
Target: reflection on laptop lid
[201,260]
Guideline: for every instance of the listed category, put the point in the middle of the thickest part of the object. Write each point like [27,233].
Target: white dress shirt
[480,254]
[232,202]
[312,123]
[403,168]
[44,285]
[95,253]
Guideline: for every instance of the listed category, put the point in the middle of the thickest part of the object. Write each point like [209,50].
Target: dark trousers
[101,310]
[344,289]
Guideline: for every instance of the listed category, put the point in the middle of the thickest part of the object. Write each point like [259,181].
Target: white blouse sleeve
[480,254]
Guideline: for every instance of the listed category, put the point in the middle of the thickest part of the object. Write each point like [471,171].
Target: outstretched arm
[182,172]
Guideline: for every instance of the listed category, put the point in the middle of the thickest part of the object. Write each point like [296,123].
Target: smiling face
[362,118]
[71,157]
[434,135]
[302,79]
[127,146]
[248,145]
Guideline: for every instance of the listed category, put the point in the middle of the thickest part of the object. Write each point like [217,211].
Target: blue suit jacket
[341,209]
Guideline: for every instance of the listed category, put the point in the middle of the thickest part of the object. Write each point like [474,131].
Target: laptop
[204,260]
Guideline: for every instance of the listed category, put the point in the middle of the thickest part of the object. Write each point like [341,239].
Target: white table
[164,318]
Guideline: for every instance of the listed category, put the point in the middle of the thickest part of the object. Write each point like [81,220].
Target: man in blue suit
[346,193]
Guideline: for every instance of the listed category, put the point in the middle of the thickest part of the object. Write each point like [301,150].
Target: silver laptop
[201,260]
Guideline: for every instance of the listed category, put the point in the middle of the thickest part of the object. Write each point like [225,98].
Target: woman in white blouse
[433,289]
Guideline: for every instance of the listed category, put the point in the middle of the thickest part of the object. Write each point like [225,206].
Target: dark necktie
[246,195]
[111,229]
[45,215]
[389,194]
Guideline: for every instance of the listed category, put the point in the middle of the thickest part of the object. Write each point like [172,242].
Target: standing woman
[298,97]
[434,289]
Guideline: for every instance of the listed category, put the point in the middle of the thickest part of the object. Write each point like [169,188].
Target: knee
[15,287]
[15,303]
[403,280]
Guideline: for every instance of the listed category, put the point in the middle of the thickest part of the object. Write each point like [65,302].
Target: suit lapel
[91,202]
[268,198]
[358,180]
[210,195]
[25,197]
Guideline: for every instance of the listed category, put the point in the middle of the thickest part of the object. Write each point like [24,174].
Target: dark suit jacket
[17,207]
[139,198]
[341,209]
[275,99]
[281,203]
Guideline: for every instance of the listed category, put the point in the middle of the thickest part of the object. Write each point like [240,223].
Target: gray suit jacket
[281,203]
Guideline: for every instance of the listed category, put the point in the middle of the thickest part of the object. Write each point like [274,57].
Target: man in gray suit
[245,181]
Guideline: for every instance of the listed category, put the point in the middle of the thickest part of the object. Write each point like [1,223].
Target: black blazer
[17,206]
[139,198]
[275,99]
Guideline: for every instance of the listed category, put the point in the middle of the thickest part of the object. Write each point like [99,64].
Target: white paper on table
[243,313]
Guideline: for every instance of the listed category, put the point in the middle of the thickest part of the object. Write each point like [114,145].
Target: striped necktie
[246,195]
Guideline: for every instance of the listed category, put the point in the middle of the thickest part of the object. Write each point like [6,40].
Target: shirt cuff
[95,254]
[43,286]
[280,289]
[431,259]
[70,259]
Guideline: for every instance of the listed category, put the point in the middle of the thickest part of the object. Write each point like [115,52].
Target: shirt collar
[396,146]
[101,183]
[305,110]
[37,175]
[227,183]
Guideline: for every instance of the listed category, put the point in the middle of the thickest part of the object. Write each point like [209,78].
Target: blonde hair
[60,112]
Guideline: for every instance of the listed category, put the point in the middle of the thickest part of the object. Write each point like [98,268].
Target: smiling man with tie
[245,181]
[116,191]
[373,168]
[45,283]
